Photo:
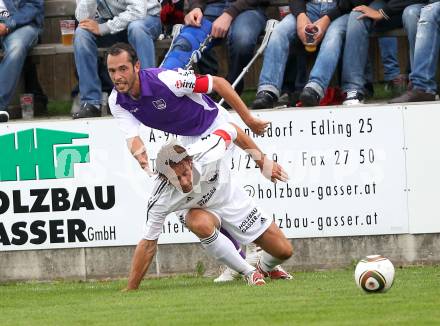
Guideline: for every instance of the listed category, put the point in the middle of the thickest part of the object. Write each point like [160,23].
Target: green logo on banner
[42,150]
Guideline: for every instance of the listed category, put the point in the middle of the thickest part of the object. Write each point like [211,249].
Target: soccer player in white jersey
[195,181]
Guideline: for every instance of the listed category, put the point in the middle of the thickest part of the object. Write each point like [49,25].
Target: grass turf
[324,298]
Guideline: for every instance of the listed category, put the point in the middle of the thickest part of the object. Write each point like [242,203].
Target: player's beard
[123,85]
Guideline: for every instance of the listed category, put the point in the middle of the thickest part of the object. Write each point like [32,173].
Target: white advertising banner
[74,184]
[346,168]
[423,161]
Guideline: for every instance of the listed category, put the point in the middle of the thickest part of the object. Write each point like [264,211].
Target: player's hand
[301,22]
[257,126]
[322,24]
[221,25]
[194,17]
[368,12]
[90,25]
[272,170]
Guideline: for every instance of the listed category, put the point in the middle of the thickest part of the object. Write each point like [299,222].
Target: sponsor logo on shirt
[185,73]
[160,104]
[134,110]
[247,223]
[184,84]
[207,197]
[4,14]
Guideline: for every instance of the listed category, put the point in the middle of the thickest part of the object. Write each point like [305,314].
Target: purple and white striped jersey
[171,101]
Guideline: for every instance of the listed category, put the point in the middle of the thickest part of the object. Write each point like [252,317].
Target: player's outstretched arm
[270,169]
[225,90]
[139,152]
[143,255]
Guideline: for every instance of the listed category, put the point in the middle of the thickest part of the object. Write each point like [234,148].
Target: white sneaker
[353,98]
[227,276]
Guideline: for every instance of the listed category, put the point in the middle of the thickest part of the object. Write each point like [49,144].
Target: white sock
[222,249]
[268,262]
[253,253]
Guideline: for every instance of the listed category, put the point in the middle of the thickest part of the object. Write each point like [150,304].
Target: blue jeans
[241,40]
[16,46]
[426,50]
[356,50]
[277,50]
[388,54]
[328,56]
[140,34]
[410,18]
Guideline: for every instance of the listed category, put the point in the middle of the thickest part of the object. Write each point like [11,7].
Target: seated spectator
[240,21]
[134,20]
[20,24]
[292,26]
[345,24]
[361,22]
[425,53]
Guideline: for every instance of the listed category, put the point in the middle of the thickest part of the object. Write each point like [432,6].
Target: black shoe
[4,116]
[309,97]
[264,100]
[87,110]
[413,95]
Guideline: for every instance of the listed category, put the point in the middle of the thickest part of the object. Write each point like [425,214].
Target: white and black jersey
[213,190]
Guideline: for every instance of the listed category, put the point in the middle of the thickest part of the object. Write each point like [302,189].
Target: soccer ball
[374,274]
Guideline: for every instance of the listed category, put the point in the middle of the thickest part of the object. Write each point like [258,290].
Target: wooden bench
[56,64]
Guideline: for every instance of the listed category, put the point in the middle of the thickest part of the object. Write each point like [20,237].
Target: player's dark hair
[118,48]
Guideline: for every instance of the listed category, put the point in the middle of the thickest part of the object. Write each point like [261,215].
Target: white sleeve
[185,82]
[126,121]
[157,211]
[215,146]
[85,9]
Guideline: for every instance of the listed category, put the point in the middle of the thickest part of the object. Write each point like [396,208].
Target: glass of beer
[67,31]
[27,105]
[310,31]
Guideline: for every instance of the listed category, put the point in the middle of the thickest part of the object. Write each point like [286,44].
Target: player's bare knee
[287,251]
[201,228]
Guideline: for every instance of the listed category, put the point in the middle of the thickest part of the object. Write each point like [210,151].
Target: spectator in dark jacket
[20,24]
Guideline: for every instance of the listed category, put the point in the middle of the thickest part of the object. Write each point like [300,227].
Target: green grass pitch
[319,298]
